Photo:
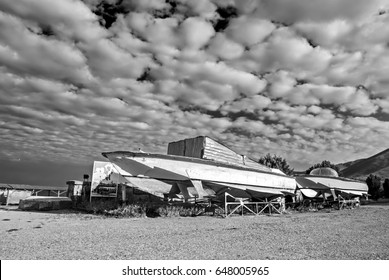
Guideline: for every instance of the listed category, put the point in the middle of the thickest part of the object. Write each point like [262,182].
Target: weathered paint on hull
[312,186]
[165,167]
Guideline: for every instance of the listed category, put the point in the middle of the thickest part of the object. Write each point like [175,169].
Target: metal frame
[35,192]
[56,192]
[343,203]
[241,204]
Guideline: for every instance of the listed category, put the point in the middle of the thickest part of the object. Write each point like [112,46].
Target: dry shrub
[111,208]
[97,206]
[128,211]
[168,210]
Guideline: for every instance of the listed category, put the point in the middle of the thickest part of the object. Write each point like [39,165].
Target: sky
[303,79]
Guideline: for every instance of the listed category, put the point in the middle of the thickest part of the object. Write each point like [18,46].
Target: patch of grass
[127,211]
[112,208]
[97,206]
[183,210]
[153,210]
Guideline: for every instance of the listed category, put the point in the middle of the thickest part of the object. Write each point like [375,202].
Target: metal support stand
[343,203]
[241,204]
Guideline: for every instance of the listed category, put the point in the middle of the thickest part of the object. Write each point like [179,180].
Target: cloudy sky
[304,79]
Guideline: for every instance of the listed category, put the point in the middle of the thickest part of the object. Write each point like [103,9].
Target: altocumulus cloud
[305,79]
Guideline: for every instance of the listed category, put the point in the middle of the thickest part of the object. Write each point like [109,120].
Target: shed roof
[30,187]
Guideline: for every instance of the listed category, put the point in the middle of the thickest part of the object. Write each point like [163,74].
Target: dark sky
[304,79]
[44,173]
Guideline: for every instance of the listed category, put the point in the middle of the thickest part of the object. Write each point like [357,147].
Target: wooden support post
[7,197]
[269,205]
[124,193]
[225,205]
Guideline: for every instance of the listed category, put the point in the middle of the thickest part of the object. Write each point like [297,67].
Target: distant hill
[345,165]
[361,168]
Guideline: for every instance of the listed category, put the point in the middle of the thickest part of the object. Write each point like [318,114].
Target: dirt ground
[361,233]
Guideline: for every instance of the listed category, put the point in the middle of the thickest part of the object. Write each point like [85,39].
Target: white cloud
[195,95]
[314,109]
[196,32]
[346,99]
[327,34]
[139,22]
[108,61]
[281,82]
[317,10]
[251,104]
[383,104]
[26,52]
[361,104]
[368,123]
[203,8]
[155,31]
[249,31]
[373,71]
[287,51]
[246,6]
[221,73]
[145,5]
[225,48]
[69,18]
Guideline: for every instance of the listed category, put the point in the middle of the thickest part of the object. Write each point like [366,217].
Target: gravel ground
[361,233]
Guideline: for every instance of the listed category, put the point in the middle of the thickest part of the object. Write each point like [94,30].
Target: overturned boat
[199,168]
[325,182]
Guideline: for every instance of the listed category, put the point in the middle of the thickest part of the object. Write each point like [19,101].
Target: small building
[74,188]
[13,193]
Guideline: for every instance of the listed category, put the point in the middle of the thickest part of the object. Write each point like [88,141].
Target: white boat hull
[210,173]
[312,186]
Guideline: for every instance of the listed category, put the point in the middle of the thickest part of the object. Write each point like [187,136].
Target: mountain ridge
[377,164]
